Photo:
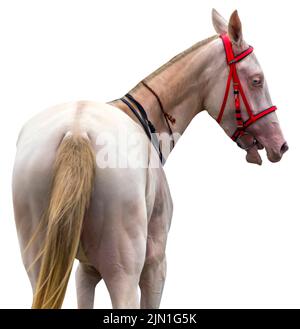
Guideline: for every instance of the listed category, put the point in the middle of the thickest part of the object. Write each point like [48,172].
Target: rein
[238,91]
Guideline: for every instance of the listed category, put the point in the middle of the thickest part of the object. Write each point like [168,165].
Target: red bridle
[232,60]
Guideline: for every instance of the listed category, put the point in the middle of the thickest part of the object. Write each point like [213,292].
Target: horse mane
[181,55]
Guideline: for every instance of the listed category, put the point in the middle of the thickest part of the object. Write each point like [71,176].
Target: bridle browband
[232,60]
[147,125]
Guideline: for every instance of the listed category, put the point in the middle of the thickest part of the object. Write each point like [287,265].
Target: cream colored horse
[71,201]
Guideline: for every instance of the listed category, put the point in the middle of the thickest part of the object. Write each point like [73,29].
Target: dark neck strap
[147,125]
[143,112]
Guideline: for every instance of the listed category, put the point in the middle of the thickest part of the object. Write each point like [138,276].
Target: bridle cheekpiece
[238,92]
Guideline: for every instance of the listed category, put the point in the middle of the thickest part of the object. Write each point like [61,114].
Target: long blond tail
[72,185]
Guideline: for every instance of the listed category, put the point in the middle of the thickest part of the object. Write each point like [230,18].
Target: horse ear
[219,22]
[235,28]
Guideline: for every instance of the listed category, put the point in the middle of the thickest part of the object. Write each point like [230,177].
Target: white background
[234,240]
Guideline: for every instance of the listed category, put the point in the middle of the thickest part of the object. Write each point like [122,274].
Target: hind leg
[124,290]
[27,227]
[30,234]
[115,236]
[152,284]
[154,272]
[29,252]
[87,278]
[122,261]
[121,257]
[30,187]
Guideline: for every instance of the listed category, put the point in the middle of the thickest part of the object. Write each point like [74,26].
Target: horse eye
[257,81]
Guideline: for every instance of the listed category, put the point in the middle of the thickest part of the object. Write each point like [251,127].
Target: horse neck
[182,85]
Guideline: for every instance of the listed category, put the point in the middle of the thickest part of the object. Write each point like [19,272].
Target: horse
[79,194]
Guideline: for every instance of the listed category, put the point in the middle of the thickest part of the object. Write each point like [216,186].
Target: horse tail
[71,190]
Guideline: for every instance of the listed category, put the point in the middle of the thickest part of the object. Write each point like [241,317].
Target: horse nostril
[284,148]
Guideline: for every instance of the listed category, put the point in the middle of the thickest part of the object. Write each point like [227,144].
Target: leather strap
[238,91]
[167,116]
[145,122]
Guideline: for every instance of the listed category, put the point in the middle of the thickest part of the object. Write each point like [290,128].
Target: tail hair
[71,190]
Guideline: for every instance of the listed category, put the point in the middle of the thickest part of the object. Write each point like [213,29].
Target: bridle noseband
[232,60]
